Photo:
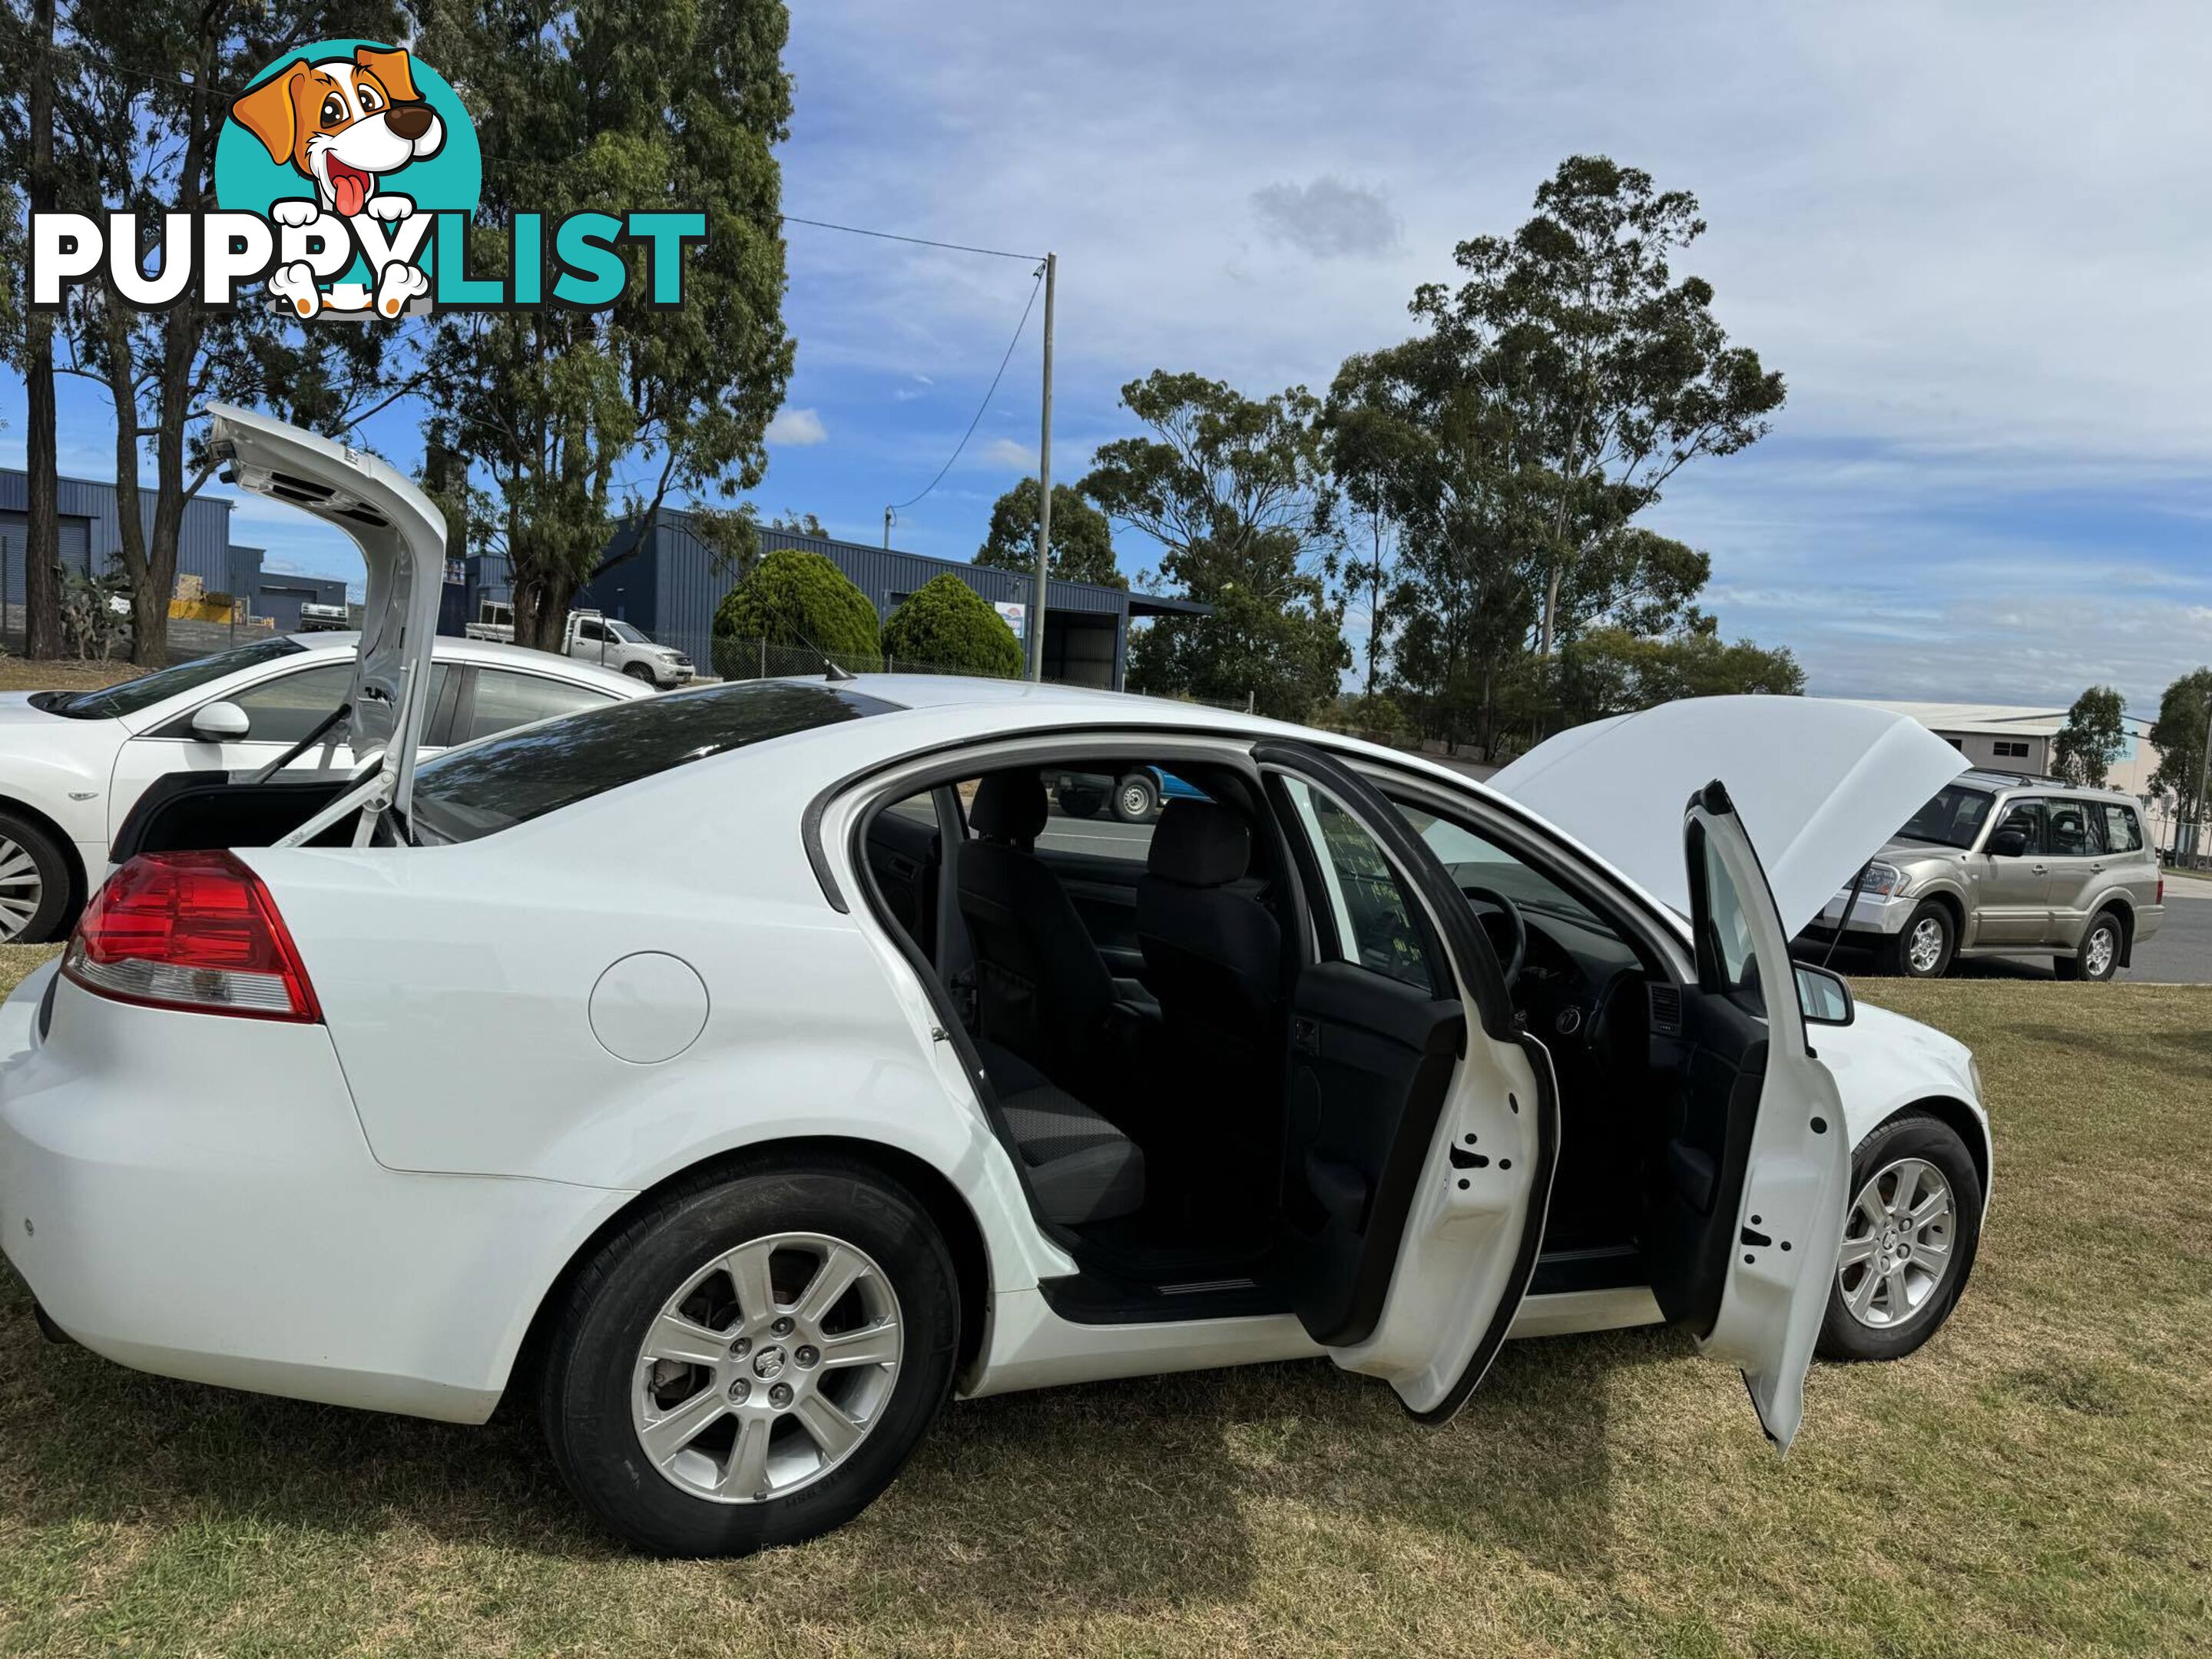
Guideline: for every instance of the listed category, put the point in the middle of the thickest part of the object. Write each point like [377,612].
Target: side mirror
[1823,997]
[2007,844]
[220,722]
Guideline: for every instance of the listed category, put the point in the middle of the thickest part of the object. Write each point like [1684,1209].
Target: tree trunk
[42,611]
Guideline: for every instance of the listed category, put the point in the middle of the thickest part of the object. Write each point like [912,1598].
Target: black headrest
[1009,806]
[1198,843]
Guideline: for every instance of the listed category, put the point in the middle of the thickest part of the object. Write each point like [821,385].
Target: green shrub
[947,624]
[800,598]
[1374,717]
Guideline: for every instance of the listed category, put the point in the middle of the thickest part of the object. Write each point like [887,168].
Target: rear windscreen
[537,769]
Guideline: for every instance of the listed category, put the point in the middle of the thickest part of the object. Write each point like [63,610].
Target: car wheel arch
[80,878]
[1956,1115]
[2122,912]
[1955,906]
[954,1218]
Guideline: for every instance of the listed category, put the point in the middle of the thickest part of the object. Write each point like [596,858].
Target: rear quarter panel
[458,984]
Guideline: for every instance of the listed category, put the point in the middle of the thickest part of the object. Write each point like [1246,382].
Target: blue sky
[1974,238]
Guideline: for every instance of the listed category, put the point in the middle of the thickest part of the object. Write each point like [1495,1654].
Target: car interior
[1199,1036]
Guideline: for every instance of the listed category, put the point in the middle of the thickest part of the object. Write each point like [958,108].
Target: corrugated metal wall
[202,540]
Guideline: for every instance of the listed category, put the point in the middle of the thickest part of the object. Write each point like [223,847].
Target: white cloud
[797,428]
[1007,452]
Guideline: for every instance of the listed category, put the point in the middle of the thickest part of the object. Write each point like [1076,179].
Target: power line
[988,395]
[918,241]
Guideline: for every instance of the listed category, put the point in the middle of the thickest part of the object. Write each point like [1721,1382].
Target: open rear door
[1754,1168]
[402,537]
[1423,1124]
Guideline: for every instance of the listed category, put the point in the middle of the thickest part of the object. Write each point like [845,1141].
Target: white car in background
[735,1160]
[73,764]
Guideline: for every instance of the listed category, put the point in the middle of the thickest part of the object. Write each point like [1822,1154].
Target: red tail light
[196,930]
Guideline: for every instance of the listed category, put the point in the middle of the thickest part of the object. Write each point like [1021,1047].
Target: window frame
[179,727]
[1327,905]
[463,715]
[2041,807]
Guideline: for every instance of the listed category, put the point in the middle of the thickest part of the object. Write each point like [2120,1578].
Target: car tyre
[1892,1319]
[638,671]
[2098,959]
[1077,802]
[601,1392]
[1136,799]
[1924,946]
[38,891]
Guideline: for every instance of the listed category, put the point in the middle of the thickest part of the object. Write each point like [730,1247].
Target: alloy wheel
[768,1368]
[22,888]
[2097,953]
[1897,1244]
[1925,950]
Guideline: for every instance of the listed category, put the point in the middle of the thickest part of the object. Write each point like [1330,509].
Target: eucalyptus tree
[579,420]
[1236,492]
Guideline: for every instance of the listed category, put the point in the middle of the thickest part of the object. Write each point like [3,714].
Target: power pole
[1044,481]
[887,529]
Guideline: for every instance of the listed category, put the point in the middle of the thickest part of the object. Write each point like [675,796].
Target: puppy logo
[349,148]
[347,124]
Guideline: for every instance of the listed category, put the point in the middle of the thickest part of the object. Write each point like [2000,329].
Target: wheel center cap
[767,1362]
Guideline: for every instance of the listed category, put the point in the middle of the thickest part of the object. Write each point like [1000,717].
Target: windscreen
[163,684]
[536,770]
[1952,818]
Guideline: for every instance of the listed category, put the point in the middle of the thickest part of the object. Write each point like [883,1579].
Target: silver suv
[1998,863]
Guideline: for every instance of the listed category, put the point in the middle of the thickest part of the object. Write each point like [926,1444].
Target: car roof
[1038,700]
[451,647]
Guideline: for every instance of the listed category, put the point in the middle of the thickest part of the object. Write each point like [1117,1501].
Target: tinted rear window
[540,768]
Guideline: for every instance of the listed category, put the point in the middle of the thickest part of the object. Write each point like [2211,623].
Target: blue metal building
[91,531]
[665,582]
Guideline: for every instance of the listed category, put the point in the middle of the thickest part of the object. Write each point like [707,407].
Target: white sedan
[74,764]
[736,1157]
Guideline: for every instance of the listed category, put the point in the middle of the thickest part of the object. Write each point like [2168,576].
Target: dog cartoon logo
[342,143]
[345,124]
[347,180]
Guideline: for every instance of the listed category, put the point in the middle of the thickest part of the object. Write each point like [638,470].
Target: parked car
[73,764]
[1134,798]
[609,643]
[755,1185]
[2000,864]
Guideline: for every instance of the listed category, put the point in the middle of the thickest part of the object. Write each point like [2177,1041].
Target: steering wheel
[1517,928]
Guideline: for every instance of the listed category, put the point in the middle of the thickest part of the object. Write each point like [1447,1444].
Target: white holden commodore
[733,1076]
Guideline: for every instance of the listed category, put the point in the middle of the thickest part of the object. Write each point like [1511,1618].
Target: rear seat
[1081,1167]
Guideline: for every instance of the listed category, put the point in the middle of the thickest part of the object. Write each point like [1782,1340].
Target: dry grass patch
[22,674]
[2037,1480]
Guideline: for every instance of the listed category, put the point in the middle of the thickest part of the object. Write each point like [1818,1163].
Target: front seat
[1043,990]
[1213,952]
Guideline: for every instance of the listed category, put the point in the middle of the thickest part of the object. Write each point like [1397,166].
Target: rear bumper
[2146,923]
[191,1196]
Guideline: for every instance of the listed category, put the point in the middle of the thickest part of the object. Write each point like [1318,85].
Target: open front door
[1754,1169]
[1423,1124]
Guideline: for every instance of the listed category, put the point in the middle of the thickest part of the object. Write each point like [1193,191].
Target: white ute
[735,1074]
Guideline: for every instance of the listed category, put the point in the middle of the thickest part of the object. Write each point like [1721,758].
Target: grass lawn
[2038,1479]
